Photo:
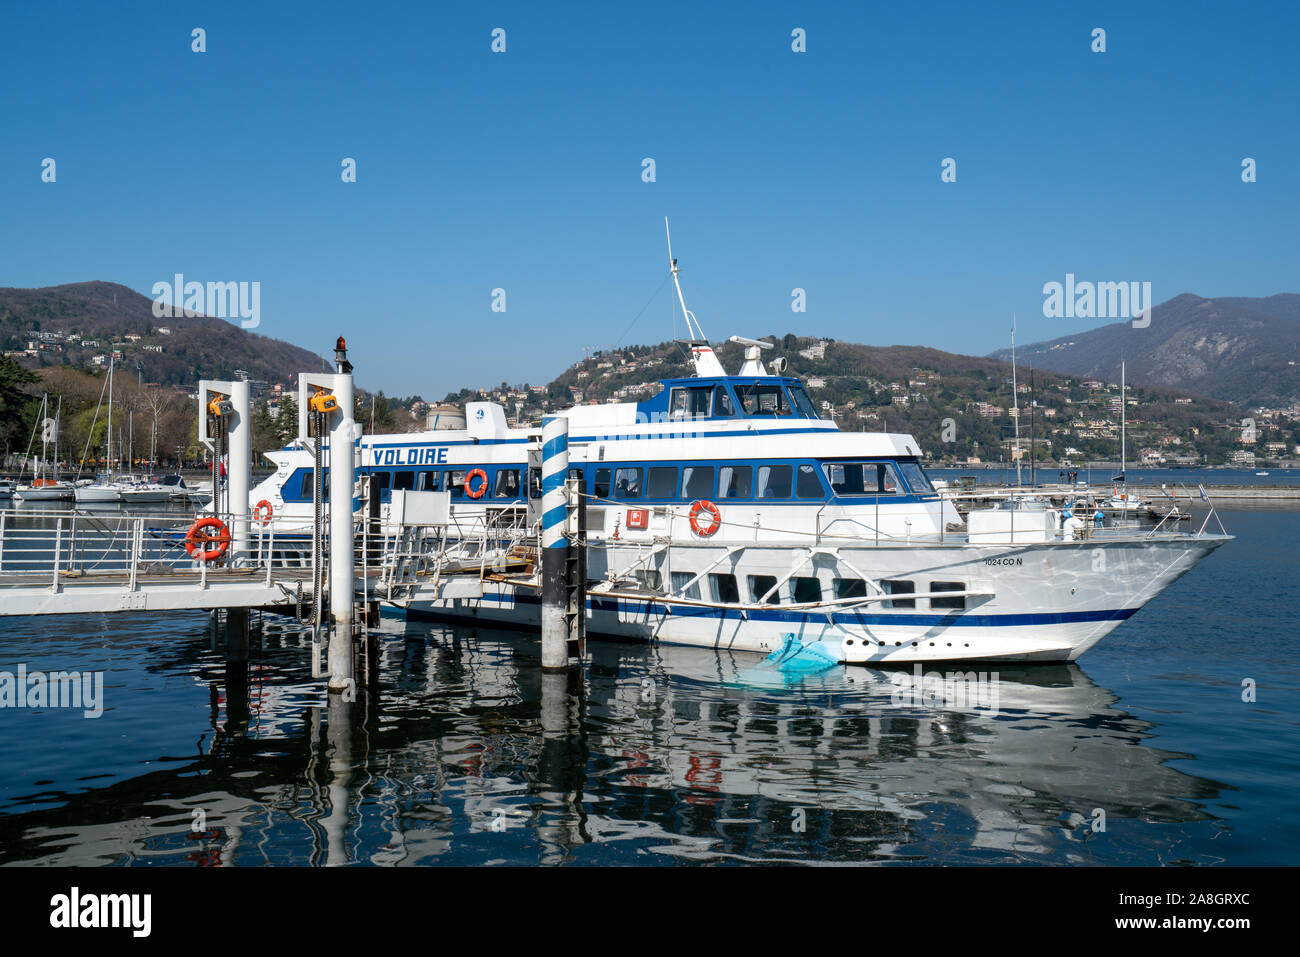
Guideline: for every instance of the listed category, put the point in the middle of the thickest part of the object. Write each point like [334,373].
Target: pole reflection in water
[340,729]
[467,753]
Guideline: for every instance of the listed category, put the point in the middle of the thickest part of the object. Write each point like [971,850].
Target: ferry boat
[725,512]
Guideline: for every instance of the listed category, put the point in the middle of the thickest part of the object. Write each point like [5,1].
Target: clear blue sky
[522,170]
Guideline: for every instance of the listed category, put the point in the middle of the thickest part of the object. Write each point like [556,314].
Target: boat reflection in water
[468,754]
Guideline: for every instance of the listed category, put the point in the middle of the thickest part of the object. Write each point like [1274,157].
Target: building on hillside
[1241,457]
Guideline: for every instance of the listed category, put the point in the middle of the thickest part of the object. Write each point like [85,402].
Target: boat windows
[757,399]
[734,481]
[429,481]
[805,590]
[850,588]
[760,585]
[861,478]
[680,580]
[775,481]
[915,477]
[661,482]
[507,484]
[649,579]
[723,588]
[803,405]
[808,485]
[899,587]
[697,481]
[958,603]
[689,403]
[303,485]
[722,401]
[627,483]
[600,484]
[403,481]
[380,480]
[456,483]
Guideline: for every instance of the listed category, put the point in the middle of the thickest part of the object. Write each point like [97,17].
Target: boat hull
[145,496]
[1047,604]
[98,495]
[47,494]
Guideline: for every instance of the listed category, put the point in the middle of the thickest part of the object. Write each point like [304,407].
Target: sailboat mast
[39,471]
[1015,403]
[58,418]
[109,453]
[1032,402]
[1123,421]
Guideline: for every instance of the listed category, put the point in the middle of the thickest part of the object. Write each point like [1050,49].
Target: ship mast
[702,356]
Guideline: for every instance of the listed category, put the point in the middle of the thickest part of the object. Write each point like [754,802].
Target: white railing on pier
[62,548]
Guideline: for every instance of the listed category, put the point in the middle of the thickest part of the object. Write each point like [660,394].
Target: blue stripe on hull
[955,620]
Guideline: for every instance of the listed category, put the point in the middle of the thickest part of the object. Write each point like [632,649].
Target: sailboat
[45,485]
[1121,500]
[137,490]
[103,492]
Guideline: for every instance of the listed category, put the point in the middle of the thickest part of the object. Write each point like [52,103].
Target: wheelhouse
[729,397]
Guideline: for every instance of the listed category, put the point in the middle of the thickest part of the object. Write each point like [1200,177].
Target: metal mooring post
[555,546]
[342,549]
[239,441]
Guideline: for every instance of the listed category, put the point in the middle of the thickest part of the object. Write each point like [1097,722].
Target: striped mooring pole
[555,547]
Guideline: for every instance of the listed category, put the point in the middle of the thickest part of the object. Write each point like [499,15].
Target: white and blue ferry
[726,512]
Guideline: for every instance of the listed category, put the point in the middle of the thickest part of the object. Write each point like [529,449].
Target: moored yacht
[134,490]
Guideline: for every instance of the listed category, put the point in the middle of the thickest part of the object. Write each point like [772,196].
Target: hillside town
[963,413]
[962,409]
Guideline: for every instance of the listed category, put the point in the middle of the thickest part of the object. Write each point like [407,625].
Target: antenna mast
[702,355]
[693,327]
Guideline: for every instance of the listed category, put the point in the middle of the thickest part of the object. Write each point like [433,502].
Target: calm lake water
[464,756]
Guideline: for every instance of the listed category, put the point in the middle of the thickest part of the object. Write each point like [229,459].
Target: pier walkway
[80,562]
[74,563]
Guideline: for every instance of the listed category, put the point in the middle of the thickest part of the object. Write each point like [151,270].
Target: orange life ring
[469,483]
[263,518]
[703,505]
[199,536]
